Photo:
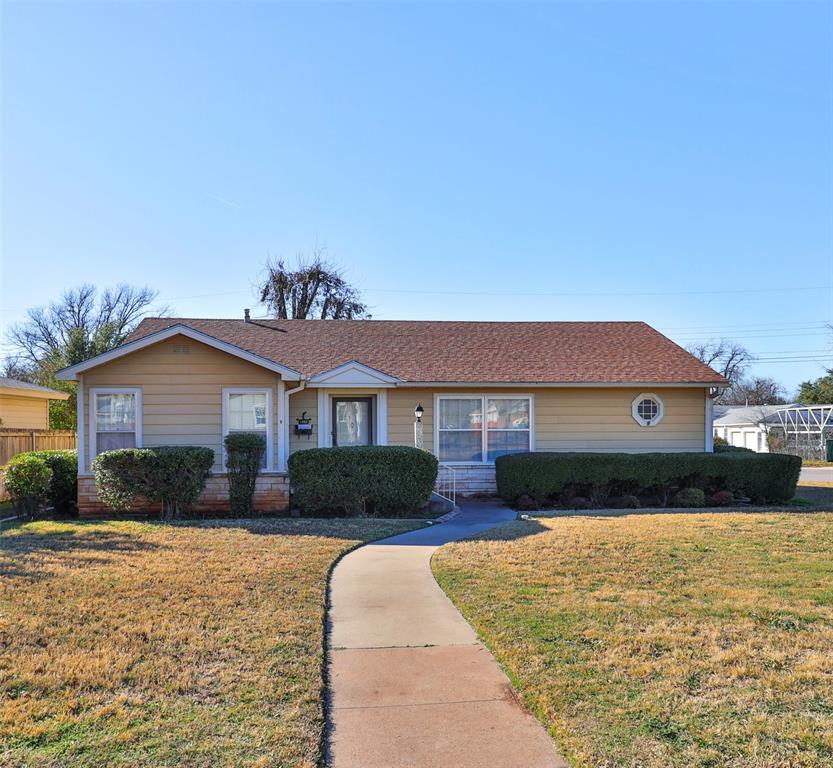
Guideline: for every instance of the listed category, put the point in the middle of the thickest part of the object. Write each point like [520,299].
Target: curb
[449,515]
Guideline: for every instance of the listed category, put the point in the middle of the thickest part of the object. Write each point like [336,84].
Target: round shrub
[172,476]
[244,451]
[383,480]
[722,498]
[27,481]
[690,497]
[63,488]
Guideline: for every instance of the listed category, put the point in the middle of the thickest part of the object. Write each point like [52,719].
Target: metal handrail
[447,483]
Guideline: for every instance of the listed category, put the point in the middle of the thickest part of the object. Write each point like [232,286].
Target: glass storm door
[352,421]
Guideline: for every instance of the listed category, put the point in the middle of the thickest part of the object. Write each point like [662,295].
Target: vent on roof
[246,317]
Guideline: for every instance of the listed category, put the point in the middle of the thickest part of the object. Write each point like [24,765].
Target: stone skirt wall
[271,495]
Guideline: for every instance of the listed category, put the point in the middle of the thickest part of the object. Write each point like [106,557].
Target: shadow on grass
[352,528]
[22,554]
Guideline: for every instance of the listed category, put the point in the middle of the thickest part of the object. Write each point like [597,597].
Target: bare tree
[727,357]
[81,324]
[315,288]
[15,368]
[758,390]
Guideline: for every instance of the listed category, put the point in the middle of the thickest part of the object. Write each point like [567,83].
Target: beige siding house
[25,406]
[480,389]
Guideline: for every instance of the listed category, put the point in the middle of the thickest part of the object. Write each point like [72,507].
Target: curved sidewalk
[411,686]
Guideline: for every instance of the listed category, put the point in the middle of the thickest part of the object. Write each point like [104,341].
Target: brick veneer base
[271,495]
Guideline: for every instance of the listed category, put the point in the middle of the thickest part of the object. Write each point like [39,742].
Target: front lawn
[139,644]
[662,639]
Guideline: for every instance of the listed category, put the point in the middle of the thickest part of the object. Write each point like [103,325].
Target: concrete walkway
[816,475]
[410,684]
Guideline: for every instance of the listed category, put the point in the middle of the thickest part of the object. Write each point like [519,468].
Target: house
[802,430]
[745,426]
[485,389]
[25,406]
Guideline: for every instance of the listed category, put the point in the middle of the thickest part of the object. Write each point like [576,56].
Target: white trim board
[557,384]
[70,373]
[353,374]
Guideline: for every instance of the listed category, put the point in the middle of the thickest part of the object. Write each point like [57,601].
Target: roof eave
[41,394]
[71,372]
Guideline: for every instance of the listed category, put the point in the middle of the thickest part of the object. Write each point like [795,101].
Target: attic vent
[181,349]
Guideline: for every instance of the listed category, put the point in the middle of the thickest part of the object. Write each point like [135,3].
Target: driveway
[816,475]
[411,686]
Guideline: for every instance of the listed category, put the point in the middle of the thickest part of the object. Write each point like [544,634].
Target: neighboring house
[746,426]
[487,388]
[25,406]
[802,430]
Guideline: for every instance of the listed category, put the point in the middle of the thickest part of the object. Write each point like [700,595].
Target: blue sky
[550,161]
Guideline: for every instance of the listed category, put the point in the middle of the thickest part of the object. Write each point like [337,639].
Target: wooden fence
[13,442]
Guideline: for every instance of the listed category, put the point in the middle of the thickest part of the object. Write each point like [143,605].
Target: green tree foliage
[818,392]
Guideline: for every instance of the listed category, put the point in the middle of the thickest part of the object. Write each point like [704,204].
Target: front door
[352,421]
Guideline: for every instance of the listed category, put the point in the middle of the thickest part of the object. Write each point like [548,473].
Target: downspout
[711,395]
[285,406]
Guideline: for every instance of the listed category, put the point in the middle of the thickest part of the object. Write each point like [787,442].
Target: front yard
[139,644]
[658,640]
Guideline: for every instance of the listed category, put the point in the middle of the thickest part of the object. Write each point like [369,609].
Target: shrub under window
[382,480]
[172,476]
[550,477]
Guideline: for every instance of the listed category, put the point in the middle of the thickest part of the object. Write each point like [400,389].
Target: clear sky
[658,161]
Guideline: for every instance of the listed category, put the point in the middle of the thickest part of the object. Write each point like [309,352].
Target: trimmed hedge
[173,476]
[382,480]
[244,451]
[62,491]
[548,477]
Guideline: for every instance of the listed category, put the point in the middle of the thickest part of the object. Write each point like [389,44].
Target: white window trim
[635,409]
[95,392]
[270,422]
[482,396]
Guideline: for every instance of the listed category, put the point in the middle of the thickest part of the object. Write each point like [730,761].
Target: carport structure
[805,428]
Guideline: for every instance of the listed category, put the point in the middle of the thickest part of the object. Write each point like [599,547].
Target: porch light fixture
[418,411]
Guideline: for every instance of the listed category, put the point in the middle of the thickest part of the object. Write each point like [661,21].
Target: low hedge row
[548,477]
[386,481]
[172,476]
[37,479]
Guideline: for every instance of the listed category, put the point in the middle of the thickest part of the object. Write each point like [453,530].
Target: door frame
[335,399]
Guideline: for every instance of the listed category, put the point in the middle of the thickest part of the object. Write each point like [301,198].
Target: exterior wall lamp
[418,438]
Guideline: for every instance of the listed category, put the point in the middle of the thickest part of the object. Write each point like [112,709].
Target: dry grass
[662,640]
[135,644]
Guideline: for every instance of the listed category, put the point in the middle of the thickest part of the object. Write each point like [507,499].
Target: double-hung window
[478,429]
[115,419]
[249,410]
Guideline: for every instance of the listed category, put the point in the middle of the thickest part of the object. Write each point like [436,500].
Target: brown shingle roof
[450,351]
